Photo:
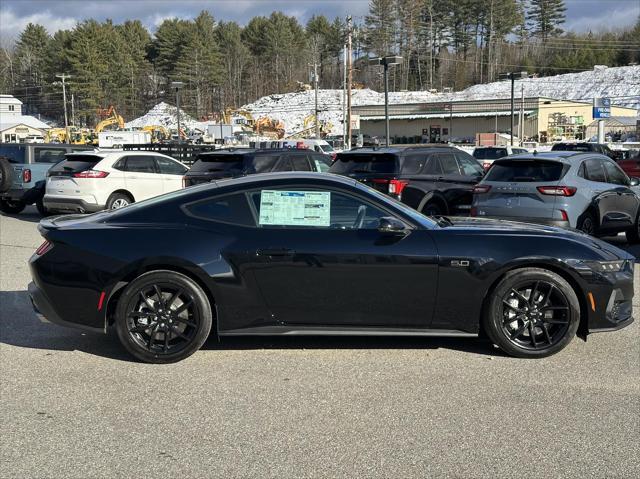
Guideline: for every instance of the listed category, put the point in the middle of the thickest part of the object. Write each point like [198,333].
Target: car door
[142,178]
[605,196]
[171,173]
[627,200]
[321,261]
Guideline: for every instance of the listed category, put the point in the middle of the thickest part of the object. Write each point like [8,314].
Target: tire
[587,224]
[432,208]
[11,207]
[118,200]
[41,208]
[633,233]
[6,174]
[532,327]
[188,329]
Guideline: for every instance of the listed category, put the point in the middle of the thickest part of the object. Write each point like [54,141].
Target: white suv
[486,155]
[94,181]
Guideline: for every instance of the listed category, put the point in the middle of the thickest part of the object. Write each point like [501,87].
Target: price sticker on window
[295,208]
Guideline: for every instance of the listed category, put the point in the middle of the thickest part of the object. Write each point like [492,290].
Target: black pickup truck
[433,179]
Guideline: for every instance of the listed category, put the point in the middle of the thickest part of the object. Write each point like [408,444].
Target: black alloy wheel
[432,209]
[163,317]
[532,313]
[587,225]
[12,207]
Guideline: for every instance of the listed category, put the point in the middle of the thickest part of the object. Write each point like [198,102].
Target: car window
[140,164]
[489,153]
[49,155]
[529,171]
[432,167]
[517,151]
[263,163]
[15,153]
[170,167]
[595,171]
[232,209]
[284,164]
[364,163]
[211,163]
[300,163]
[448,164]
[615,174]
[321,162]
[469,165]
[413,164]
[311,208]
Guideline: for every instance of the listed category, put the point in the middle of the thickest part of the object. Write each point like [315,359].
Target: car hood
[497,226]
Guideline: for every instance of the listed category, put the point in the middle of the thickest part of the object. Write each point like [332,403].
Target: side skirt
[342,331]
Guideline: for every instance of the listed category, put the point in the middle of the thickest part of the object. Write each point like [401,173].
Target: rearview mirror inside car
[391,225]
[635,181]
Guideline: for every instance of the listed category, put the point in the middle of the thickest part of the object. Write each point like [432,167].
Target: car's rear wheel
[41,208]
[6,174]
[532,313]
[118,200]
[432,208]
[12,207]
[587,224]
[163,317]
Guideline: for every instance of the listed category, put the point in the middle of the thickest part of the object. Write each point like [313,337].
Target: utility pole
[315,85]
[349,79]
[63,77]
[73,110]
[344,97]
[521,119]
[178,85]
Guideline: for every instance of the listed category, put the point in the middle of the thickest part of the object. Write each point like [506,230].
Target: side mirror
[391,226]
[635,181]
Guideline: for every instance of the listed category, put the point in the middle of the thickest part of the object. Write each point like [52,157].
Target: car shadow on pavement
[30,217]
[19,326]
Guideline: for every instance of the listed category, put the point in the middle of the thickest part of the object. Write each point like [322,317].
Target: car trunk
[61,177]
[373,169]
[213,167]
[515,189]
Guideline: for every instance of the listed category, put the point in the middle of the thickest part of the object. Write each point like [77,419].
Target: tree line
[443,44]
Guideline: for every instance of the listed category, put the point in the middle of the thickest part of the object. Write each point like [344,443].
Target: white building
[14,126]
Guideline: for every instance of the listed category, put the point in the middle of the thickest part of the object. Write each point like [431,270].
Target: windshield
[326,147]
[364,163]
[526,171]
[218,162]
[489,153]
[571,147]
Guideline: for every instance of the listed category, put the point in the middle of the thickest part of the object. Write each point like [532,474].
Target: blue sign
[601,108]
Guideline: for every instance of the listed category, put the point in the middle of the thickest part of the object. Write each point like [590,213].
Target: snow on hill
[621,84]
[165,115]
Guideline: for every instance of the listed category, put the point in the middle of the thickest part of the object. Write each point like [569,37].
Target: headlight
[607,266]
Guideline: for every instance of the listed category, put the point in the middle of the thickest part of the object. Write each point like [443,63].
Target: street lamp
[385,62]
[177,85]
[513,76]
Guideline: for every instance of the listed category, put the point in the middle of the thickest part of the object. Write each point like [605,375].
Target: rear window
[15,153]
[216,163]
[364,163]
[489,153]
[526,171]
[572,147]
[49,155]
[264,163]
[74,164]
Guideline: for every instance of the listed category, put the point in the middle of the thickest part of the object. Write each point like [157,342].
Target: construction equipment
[270,128]
[159,134]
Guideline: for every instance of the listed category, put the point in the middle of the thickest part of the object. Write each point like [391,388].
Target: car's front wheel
[532,313]
[163,317]
[118,200]
[11,207]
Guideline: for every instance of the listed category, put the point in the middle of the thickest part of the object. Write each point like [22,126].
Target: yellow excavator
[113,119]
[159,134]
[269,127]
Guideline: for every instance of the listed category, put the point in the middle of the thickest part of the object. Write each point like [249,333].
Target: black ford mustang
[309,253]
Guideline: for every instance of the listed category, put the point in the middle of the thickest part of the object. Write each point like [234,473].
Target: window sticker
[295,208]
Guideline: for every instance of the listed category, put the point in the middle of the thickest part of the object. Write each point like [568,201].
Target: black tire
[41,208]
[6,174]
[11,207]
[184,312]
[587,224]
[432,208]
[118,200]
[633,233]
[532,313]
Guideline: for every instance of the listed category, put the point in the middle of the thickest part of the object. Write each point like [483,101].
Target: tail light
[486,165]
[26,176]
[43,248]
[396,186]
[565,216]
[91,174]
[184,182]
[334,156]
[558,190]
[481,189]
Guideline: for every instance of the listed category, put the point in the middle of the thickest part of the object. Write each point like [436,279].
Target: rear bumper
[537,221]
[14,194]
[46,313]
[76,205]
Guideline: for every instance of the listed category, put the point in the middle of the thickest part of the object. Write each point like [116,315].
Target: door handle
[275,252]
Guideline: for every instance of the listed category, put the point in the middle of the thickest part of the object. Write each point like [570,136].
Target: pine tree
[30,60]
[545,17]
[380,27]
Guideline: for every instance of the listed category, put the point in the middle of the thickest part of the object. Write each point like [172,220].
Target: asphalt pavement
[75,405]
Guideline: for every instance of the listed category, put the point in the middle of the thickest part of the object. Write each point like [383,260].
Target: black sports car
[319,254]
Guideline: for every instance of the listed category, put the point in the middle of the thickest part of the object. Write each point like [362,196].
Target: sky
[582,15]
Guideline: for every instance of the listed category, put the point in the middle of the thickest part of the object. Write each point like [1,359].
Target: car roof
[396,149]
[287,175]
[563,156]
[252,151]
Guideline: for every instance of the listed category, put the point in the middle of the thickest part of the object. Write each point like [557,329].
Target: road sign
[355,122]
[601,108]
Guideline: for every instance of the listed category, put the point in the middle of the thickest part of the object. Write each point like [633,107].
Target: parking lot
[74,404]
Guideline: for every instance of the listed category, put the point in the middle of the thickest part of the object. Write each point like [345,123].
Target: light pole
[63,77]
[385,62]
[513,76]
[177,85]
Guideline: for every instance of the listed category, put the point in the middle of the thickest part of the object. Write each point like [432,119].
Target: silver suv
[587,191]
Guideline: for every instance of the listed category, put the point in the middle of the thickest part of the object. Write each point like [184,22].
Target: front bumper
[46,313]
[76,205]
